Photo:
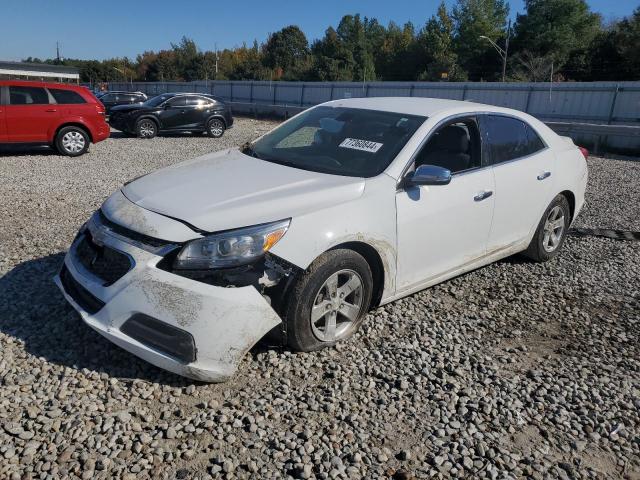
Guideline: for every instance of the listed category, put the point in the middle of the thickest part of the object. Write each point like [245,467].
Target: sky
[117,28]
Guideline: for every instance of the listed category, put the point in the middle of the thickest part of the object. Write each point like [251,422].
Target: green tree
[352,34]
[472,20]
[436,47]
[332,59]
[397,57]
[188,60]
[560,30]
[287,50]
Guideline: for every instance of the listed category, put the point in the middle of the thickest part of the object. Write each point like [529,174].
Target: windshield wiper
[247,149]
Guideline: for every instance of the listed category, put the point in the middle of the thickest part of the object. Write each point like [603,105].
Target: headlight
[232,248]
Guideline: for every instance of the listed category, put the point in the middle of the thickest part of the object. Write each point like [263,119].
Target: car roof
[33,83]
[124,91]
[411,105]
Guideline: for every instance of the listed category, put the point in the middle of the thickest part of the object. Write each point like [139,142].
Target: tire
[312,292]
[72,141]
[215,127]
[549,239]
[146,128]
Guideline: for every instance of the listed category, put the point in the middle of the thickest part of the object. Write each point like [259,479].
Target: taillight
[100,109]
[584,152]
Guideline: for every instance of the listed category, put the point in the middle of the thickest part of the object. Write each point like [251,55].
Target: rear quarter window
[66,96]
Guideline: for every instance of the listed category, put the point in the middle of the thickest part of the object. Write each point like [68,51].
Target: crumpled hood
[228,189]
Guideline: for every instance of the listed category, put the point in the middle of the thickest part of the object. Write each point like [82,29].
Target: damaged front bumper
[188,327]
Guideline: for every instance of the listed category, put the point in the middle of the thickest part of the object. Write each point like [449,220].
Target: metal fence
[596,103]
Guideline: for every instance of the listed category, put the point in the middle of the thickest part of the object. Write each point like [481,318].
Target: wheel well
[79,125]
[148,117]
[374,260]
[571,198]
[219,117]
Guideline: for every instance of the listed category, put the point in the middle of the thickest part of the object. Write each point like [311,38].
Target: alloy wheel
[216,128]
[337,306]
[554,227]
[147,129]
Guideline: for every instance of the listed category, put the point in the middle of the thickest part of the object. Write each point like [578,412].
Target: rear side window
[66,96]
[28,96]
[510,138]
[197,101]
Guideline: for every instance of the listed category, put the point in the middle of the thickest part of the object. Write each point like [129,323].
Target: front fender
[369,219]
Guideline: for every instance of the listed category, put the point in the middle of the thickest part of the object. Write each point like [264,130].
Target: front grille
[107,264]
[80,295]
[135,236]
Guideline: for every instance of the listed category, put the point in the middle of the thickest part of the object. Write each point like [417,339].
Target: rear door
[523,170]
[30,115]
[196,110]
[3,121]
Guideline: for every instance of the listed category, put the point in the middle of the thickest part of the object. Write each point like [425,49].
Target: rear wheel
[72,141]
[329,301]
[215,127]
[146,128]
[551,232]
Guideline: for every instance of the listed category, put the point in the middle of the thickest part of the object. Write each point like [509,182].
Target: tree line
[561,40]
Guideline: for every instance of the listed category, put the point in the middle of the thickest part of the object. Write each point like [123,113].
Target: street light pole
[503,52]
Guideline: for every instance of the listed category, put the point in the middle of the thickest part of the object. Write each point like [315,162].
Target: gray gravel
[514,370]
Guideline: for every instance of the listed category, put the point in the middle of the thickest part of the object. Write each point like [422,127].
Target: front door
[442,228]
[29,115]
[173,115]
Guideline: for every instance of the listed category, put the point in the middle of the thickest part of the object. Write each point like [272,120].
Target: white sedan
[349,205]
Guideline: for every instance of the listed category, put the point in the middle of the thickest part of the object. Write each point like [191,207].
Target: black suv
[173,112]
[111,99]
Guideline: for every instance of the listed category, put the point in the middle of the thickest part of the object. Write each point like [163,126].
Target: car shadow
[33,311]
[8,150]
[116,135]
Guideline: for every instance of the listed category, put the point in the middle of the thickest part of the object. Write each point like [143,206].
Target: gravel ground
[514,370]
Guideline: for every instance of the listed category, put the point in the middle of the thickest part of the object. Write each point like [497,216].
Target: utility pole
[57,52]
[216,48]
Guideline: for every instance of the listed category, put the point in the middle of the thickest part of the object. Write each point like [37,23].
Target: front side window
[28,96]
[177,102]
[454,146]
[509,138]
[66,96]
[336,140]
[155,101]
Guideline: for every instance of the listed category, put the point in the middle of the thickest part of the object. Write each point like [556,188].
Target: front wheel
[551,232]
[146,128]
[329,300]
[72,141]
[215,127]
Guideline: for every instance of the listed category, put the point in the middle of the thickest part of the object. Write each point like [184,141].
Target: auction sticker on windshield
[364,145]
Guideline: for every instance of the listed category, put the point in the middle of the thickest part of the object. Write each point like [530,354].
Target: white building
[38,71]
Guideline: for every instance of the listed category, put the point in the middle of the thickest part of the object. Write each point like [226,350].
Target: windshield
[155,101]
[342,141]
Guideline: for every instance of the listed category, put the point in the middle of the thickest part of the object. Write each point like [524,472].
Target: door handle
[51,110]
[482,195]
[544,175]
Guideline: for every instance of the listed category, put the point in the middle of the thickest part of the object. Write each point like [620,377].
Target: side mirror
[429,175]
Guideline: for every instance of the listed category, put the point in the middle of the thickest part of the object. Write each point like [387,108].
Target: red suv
[66,117]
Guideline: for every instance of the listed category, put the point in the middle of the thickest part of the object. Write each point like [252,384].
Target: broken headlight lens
[231,248]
